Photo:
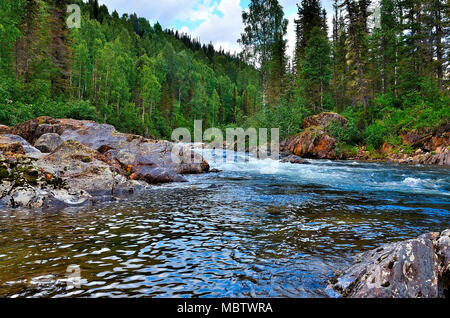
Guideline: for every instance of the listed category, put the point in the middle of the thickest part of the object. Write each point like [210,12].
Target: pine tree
[310,15]
[316,69]
[357,52]
[60,48]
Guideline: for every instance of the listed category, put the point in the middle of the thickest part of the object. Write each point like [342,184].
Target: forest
[384,66]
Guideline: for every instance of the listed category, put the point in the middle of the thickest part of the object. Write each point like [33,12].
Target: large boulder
[414,268]
[48,142]
[324,120]
[84,168]
[127,153]
[313,142]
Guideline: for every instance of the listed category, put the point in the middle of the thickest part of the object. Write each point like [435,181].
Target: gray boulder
[48,142]
[409,269]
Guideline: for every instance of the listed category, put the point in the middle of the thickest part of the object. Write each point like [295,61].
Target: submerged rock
[294,160]
[409,269]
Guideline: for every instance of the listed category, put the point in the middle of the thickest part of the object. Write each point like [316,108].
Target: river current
[246,231]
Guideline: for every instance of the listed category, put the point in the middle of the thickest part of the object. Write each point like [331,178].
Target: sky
[216,21]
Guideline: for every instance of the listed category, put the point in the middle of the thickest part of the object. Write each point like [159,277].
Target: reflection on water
[237,233]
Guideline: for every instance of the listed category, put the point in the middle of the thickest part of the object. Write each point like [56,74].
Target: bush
[375,135]
[288,119]
[80,109]
[348,134]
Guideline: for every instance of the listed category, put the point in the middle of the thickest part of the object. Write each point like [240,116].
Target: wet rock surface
[293,159]
[417,268]
[92,160]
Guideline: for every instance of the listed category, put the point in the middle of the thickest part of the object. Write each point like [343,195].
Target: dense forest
[385,67]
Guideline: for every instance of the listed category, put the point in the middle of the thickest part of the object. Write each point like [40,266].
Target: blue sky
[216,21]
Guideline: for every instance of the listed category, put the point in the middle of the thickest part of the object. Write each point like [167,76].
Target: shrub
[348,134]
[375,135]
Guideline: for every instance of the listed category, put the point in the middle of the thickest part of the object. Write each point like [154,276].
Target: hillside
[118,70]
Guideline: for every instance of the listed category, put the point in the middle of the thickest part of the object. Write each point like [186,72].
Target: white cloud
[164,11]
[291,34]
[222,30]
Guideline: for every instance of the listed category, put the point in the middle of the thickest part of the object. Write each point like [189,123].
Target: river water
[247,231]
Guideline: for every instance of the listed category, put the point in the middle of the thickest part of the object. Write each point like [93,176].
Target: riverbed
[253,229]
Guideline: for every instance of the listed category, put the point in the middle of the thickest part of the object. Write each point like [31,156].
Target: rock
[125,152]
[439,157]
[294,160]
[84,162]
[4,129]
[33,129]
[386,148]
[23,185]
[84,168]
[313,142]
[17,145]
[427,139]
[48,142]
[323,120]
[409,269]
[155,175]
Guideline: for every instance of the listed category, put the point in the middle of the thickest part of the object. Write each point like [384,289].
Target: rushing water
[236,233]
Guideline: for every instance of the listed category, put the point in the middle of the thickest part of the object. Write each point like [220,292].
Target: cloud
[216,21]
[222,25]
[290,36]
[164,11]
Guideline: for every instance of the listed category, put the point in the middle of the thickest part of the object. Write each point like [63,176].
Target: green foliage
[375,134]
[348,134]
[288,119]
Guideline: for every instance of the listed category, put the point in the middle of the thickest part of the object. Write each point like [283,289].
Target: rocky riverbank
[48,162]
[424,146]
[417,268]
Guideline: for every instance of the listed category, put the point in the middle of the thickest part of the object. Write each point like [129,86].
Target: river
[242,232]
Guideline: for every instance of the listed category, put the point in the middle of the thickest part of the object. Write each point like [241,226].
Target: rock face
[324,120]
[440,156]
[94,158]
[432,147]
[414,268]
[313,142]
